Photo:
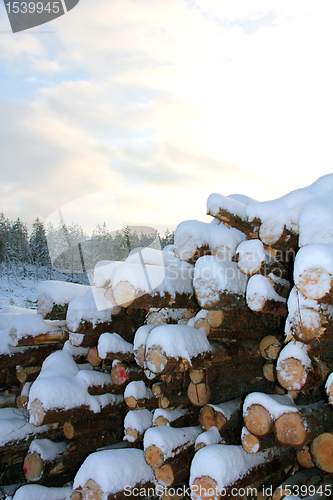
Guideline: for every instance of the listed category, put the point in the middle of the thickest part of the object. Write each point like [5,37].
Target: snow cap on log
[138,390]
[113,343]
[93,308]
[226,464]
[60,385]
[33,491]
[193,235]
[211,436]
[170,440]
[103,272]
[293,366]
[214,278]
[50,293]
[313,271]
[128,468]
[140,420]
[32,325]
[250,256]
[275,404]
[289,214]
[217,202]
[180,342]
[260,293]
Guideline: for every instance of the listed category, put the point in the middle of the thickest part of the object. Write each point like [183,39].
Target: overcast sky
[159,103]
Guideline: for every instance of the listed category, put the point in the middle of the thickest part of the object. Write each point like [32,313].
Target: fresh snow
[168,439]
[217,202]
[61,384]
[178,341]
[140,420]
[46,449]
[170,415]
[128,468]
[24,325]
[225,464]
[294,349]
[138,390]
[212,436]
[37,492]
[250,256]
[275,404]
[14,426]
[220,239]
[93,308]
[112,342]
[259,290]
[315,257]
[50,293]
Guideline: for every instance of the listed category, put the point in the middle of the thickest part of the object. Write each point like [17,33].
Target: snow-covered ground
[18,286]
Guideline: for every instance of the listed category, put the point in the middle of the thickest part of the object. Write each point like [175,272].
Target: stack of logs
[241,398]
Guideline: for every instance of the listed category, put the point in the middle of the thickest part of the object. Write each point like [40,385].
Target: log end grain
[208,417]
[37,413]
[124,294]
[304,458]
[290,429]
[33,467]
[292,375]
[250,443]
[258,420]
[154,457]
[93,358]
[322,451]
[206,488]
[198,394]
[164,475]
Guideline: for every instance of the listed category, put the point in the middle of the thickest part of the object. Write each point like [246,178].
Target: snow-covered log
[219,471]
[194,239]
[33,491]
[296,370]
[61,392]
[93,426]
[175,347]
[313,272]
[185,417]
[113,346]
[298,428]
[147,286]
[135,424]
[175,401]
[206,438]
[130,473]
[223,416]
[261,410]
[53,298]
[310,322]
[232,213]
[253,257]
[218,284]
[139,343]
[124,373]
[162,444]
[262,297]
[43,459]
[176,471]
[138,395]
[31,329]
[167,315]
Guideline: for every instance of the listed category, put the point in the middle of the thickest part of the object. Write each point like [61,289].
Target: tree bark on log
[175,401]
[50,338]
[91,426]
[87,335]
[177,470]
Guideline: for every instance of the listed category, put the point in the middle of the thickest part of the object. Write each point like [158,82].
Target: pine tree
[38,243]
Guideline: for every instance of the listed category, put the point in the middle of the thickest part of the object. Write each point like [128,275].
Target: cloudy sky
[137,110]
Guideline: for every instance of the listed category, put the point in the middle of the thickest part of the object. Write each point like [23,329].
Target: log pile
[211,363]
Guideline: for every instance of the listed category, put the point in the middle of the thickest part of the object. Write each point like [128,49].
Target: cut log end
[124,294]
[156,358]
[250,443]
[215,318]
[258,420]
[322,452]
[93,358]
[206,488]
[209,417]
[154,457]
[68,430]
[304,458]
[33,467]
[290,429]
[37,413]
[269,347]
[92,491]
[119,375]
[315,283]
[164,475]
[198,394]
[269,372]
[292,375]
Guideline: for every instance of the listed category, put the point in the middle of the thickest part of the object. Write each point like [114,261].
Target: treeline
[69,249]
